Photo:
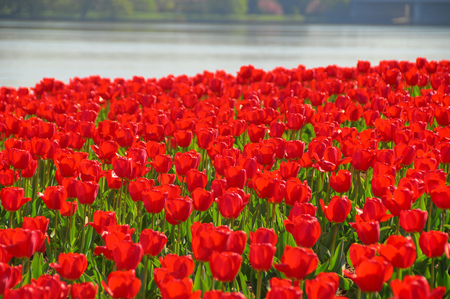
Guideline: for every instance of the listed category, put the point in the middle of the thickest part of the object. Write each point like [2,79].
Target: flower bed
[280,184]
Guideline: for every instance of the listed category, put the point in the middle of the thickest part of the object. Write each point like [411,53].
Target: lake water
[30,51]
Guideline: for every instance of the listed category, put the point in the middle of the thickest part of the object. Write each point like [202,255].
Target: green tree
[227,6]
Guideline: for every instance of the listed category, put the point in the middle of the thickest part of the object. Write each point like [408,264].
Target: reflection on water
[30,51]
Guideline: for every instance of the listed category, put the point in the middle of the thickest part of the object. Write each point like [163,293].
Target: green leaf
[244,286]
[337,260]
[321,268]
[38,265]
[198,278]
[344,283]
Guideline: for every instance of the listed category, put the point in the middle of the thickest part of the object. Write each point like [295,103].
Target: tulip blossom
[370,274]
[225,266]
[297,262]
[338,209]
[399,251]
[122,284]
[70,265]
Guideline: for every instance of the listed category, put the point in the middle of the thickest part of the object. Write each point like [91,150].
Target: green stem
[83,232]
[333,244]
[432,273]
[11,220]
[443,221]
[327,199]
[430,209]
[258,288]
[178,239]
[397,229]
[144,284]
[267,214]
[153,222]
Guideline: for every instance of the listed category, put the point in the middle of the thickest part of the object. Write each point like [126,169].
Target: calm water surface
[30,51]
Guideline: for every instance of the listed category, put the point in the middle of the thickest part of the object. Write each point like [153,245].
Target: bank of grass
[165,17]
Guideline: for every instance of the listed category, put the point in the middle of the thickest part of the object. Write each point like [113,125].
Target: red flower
[154,200]
[432,243]
[373,210]
[371,274]
[401,199]
[102,219]
[152,242]
[162,163]
[368,232]
[19,158]
[236,242]
[236,177]
[296,191]
[87,192]
[127,255]
[21,243]
[225,265]
[186,161]
[202,199]
[12,198]
[52,285]
[84,290]
[183,138]
[305,229]
[441,197]
[359,253]
[231,204]
[399,251]
[342,181]
[178,288]
[297,262]
[415,287]
[70,265]
[413,221]
[206,138]
[123,167]
[264,235]
[54,197]
[289,169]
[362,159]
[178,209]
[294,149]
[137,187]
[261,256]
[9,277]
[178,266]
[265,187]
[325,285]
[196,179]
[338,209]
[122,284]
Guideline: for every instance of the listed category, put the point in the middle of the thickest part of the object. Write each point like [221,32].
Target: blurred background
[155,38]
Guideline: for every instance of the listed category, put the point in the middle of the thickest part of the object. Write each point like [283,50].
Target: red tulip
[162,163]
[152,242]
[84,290]
[70,265]
[261,256]
[53,286]
[122,284]
[325,285]
[178,209]
[413,221]
[21,243]
[263,235]
[186,161]
[338,209]
[236,242]
[102,219]
[12,198]
[370,274]
[87,192]
[225,265]
[415,287]
[432,243]
[296,191]
[236,177]
[183,138]
[206,138]
[373,210]
[359,253]
[202,199]
[401,199]
[106,151]
[297,262]
[368,232]
[123,167]
[19,158]
[9,277]
[441,197]
[137,187]
[178,266]
[127,255]
[179,288]
[154,200]
[54,197]
[305,229]
[231,204]
[399,251]
[362,159]
[342,181]
[196,179]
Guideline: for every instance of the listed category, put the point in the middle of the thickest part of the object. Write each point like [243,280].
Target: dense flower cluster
[189,187]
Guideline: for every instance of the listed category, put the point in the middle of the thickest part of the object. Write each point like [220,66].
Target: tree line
[131,8]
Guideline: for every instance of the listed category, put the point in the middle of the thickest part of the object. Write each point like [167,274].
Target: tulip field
[330,182]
